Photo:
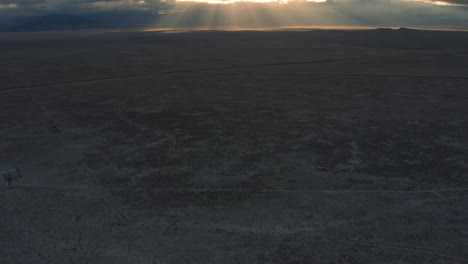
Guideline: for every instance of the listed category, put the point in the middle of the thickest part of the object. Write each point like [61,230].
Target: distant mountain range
[87,21]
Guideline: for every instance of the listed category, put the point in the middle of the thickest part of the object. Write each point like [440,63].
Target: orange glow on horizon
[435,2]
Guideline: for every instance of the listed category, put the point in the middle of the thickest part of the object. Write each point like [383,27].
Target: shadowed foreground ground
[234,147]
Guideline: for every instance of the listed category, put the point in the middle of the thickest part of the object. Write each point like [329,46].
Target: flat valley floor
[173,147]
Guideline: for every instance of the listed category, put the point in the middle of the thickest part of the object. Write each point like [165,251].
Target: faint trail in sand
[260,65]
[201,190]
[343,75]
[252,66]
[178,71]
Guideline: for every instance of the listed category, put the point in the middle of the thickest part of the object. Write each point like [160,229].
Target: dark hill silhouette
[394,29]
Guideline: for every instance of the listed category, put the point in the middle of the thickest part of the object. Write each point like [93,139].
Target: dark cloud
[22,2]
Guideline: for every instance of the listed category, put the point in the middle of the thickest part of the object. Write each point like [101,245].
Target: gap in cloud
[442,3]
[253,1]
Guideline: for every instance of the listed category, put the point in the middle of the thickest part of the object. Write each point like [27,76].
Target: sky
[232,13]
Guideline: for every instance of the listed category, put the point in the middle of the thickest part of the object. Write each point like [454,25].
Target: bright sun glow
[434,2]
[240,1]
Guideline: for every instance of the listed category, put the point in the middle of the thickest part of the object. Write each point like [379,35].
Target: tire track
[177,72]
[346,75]
[221,190]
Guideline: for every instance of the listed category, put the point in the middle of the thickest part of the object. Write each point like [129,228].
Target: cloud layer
[151,3]
[420,13]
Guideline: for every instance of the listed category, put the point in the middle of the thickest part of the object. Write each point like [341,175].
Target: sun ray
[243,1]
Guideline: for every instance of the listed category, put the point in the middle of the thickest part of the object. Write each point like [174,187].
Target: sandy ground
[234,147]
